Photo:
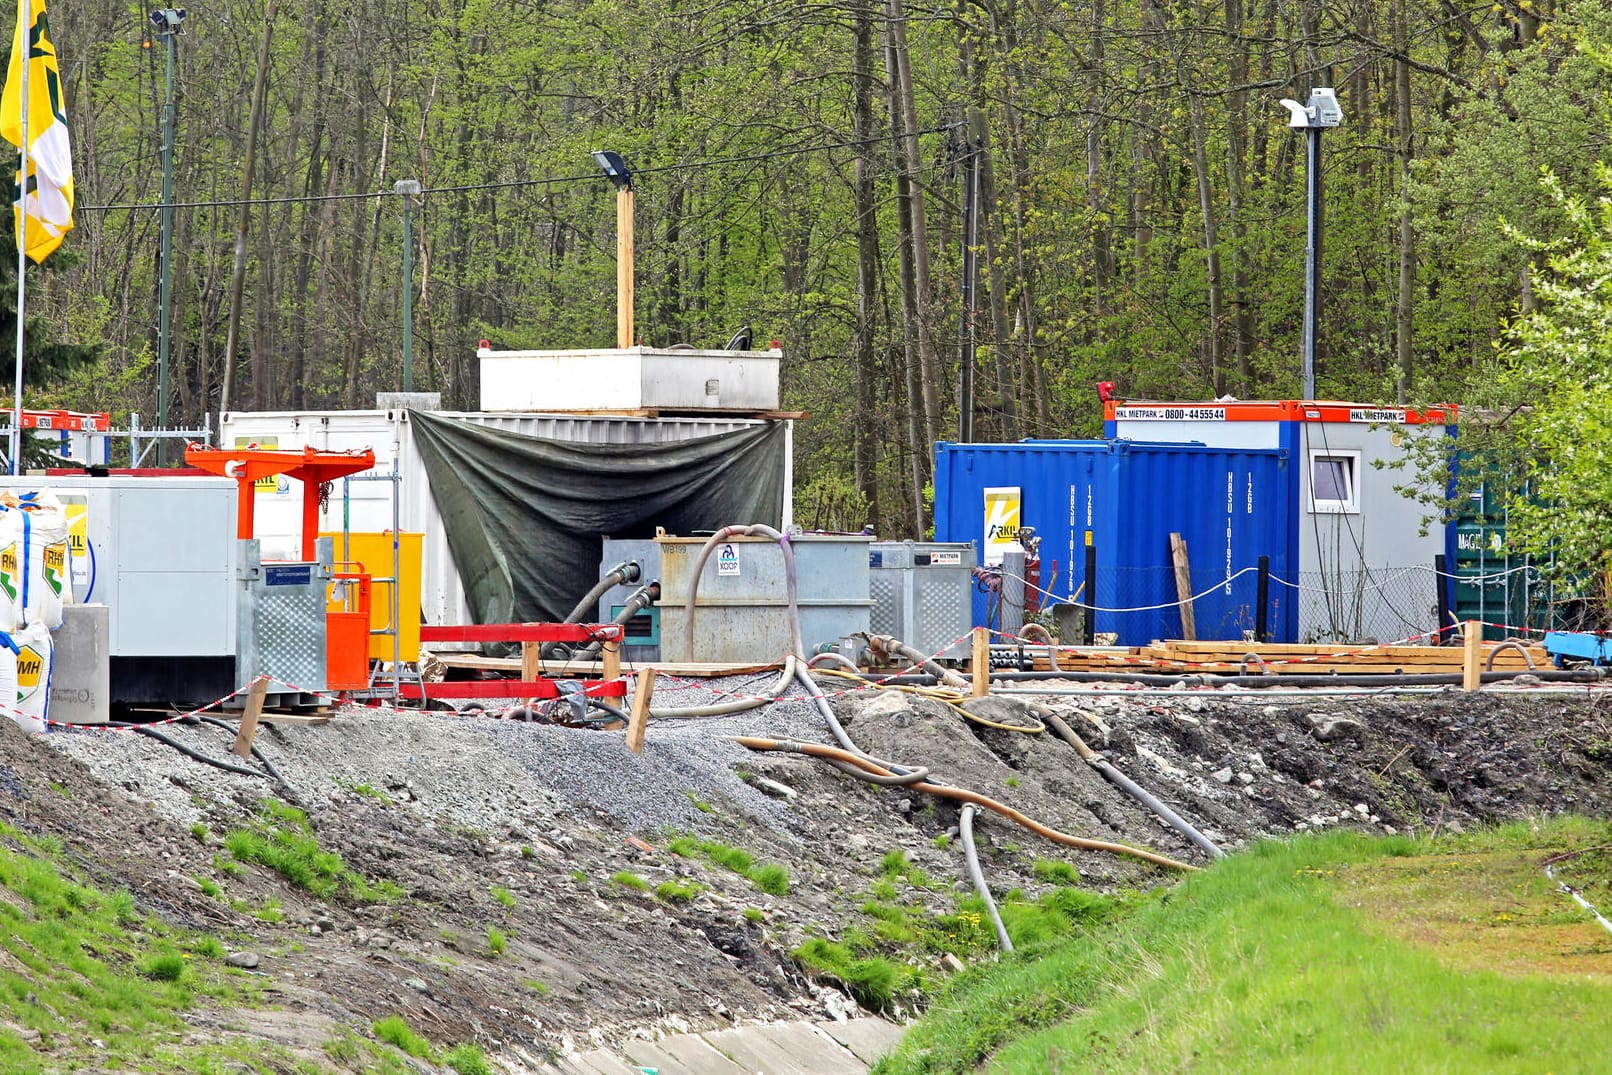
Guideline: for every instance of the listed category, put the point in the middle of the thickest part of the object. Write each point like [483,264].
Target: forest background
[799,168]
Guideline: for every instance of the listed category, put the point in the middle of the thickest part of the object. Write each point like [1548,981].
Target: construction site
[550,737]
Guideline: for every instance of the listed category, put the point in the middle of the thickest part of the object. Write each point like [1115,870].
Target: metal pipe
[965,829]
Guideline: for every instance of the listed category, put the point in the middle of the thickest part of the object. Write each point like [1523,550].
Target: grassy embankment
[1336,953]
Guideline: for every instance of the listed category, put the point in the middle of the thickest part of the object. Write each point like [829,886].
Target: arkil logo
[55,561]
[8,571]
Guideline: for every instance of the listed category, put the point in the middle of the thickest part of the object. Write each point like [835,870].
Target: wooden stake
[1472,657]
[624,268]
[981,663]
[1183,586]
[249,719]
[638,718]
[610,661]
[531,663]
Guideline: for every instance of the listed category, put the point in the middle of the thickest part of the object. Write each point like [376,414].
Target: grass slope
[1337,953]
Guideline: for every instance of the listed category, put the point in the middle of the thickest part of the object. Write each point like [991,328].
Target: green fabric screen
[525,515]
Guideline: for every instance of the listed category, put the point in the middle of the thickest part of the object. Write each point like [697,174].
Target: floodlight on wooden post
[615,169]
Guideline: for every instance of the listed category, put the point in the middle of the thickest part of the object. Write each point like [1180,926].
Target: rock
[1245,778]
[1326,728]
[244,960]
[774,788]
[886,704]
[1195,705]
[1256,762]
[417,984]
[950,963]
[1222,776]
[1001,709]
[1159,763]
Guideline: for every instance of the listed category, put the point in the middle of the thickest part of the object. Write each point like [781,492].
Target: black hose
[641,599]
[217,763]
[268,766]
[623,573]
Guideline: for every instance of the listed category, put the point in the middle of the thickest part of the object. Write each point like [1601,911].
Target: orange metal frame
[309,466]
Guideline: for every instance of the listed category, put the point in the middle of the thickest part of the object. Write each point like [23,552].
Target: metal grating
[287,619]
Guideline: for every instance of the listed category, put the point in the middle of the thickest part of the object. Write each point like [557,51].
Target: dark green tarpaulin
[524,515]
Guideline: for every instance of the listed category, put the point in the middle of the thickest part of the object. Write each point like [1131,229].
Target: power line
[512,184]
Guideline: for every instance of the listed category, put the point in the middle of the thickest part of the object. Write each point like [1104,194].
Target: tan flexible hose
[821,750]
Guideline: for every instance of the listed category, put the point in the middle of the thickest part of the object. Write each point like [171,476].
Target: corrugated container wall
[369,503]
[1230,506]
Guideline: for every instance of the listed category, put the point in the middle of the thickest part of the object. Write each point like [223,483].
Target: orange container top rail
[522,632]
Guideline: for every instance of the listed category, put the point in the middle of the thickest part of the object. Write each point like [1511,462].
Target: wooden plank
[249,719]
[638,718]
[610,660]
[1472,657]
[1183,584]
[980,662]
[506,688]
[531,661]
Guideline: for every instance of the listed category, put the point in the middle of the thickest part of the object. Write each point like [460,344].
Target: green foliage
[754,915]
[503,895]
[281,839]
[1221,973]
[771,878]
[164,967]
[628,879]
[873,981]
[395,1030]
[1055,871]
[496,941]
[678,891]
[698,803]
[467,1059]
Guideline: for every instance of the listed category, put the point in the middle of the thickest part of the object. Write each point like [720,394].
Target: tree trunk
[1405,308]
[863,447]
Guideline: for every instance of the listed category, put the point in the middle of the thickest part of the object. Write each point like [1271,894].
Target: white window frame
[1349,505]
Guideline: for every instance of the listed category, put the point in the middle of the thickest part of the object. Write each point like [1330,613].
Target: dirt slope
[522,827]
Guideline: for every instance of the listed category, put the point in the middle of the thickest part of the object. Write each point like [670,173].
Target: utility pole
[165,24]
[407,189]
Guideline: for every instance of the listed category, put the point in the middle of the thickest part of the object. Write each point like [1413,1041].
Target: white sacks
[35,651]
[34,561]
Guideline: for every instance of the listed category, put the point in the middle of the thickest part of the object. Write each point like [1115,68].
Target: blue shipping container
[1230,506]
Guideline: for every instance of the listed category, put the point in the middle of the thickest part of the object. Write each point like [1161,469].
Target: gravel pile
[478,772]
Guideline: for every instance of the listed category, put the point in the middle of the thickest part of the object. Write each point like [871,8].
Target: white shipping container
[367,505]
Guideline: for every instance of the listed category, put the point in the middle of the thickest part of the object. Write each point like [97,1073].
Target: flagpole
[25,24]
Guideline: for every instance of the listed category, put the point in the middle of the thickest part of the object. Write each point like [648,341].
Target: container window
[1335,482]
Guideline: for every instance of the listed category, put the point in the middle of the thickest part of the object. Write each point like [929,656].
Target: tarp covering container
[368,504]
[1230,507]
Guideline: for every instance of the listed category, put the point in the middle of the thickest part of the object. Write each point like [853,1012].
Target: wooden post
[531,664]
[624,268]
[249,719]
[1183,586]
[1472,658]
[981,663]
[639,716]
[610,655]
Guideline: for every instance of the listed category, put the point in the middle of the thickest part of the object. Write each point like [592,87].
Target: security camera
[1324,109]
[166,20]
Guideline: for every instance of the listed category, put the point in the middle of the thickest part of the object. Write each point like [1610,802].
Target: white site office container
[368,504]
[632,378]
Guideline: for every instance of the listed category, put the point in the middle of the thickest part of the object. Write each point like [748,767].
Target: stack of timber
[1227,658]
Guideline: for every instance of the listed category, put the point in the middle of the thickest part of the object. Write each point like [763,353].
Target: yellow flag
[48,204]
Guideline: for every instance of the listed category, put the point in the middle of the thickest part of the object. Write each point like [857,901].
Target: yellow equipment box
[372,553]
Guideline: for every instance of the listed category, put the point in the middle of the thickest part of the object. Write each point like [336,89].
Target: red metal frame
[522,632]
[507,688]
